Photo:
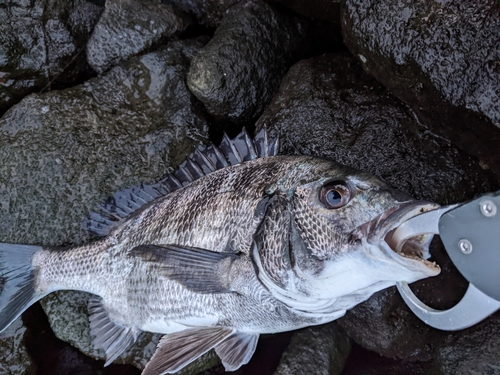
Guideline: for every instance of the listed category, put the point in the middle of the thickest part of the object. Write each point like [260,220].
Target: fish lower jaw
[413,261]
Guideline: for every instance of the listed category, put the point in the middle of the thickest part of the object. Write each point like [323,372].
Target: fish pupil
[333,197]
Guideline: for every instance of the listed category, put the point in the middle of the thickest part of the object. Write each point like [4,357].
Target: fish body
[262,245]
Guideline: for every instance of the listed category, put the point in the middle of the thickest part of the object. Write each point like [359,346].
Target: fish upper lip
[381,228]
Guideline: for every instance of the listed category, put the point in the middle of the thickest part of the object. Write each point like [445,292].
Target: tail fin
[17,280]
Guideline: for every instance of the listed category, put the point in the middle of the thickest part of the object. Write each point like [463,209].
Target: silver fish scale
[315,230]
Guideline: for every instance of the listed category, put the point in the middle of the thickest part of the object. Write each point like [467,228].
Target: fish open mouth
[380,232]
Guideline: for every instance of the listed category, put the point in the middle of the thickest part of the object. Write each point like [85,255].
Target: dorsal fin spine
[202,161]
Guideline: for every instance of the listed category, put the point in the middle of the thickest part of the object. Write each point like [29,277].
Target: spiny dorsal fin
[202,161]
[112,338]
[177,350]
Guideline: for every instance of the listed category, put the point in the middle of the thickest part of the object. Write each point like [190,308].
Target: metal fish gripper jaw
[470,233]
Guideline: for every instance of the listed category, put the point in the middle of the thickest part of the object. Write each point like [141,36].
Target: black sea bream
[236,243]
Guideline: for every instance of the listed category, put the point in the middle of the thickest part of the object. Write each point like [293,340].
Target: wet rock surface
[239,70]
[315,350]
[42,46]
[64,151]
[127,28]
[440,57]
[473,351]
[326,106]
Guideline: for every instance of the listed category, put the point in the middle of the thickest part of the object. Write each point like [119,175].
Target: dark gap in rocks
[365,362]
[265,361]
[52,356]
[195,29]
[97,2]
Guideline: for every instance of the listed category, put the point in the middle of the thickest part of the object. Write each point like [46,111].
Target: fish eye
[335,195]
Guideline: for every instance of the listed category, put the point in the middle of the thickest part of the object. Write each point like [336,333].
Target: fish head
[338,240]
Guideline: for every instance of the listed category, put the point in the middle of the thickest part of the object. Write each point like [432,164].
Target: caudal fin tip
[17,281]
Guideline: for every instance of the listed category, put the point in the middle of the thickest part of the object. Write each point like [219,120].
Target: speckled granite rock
[239,70]
[41,44]
[440,57]
[64,151]
[320,350]
[127,28]
[14,358]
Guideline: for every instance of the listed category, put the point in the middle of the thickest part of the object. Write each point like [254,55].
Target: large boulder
[439,57]
[62,152]
[320,350]
[240,69]
[42,46]
[128,28]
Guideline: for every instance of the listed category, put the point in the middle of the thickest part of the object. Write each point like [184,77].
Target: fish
[238,242]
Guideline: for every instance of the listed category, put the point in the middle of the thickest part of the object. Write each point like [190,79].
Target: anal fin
[113,338]
[237,349]
[177,350]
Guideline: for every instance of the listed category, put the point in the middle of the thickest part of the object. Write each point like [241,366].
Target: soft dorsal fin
[112,338]
[237,349]
[177,350]
[202,161]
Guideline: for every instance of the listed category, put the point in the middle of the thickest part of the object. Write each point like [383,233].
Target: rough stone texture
[207,13]
[440,57]
[472,351]
[42,45]
[239,70]
[127,28]
[64,151]
[327,106]
[320,350]
[14,358]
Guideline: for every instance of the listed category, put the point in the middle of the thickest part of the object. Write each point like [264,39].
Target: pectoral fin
[199,270]
[237,349]
[179,349]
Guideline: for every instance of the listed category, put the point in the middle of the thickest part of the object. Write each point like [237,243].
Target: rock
[315,350]
[328,107]
[42,46]
[62,152]
[472,351]
[233,77]
[128,28]
[207,13]
[439,57]
[14,358]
